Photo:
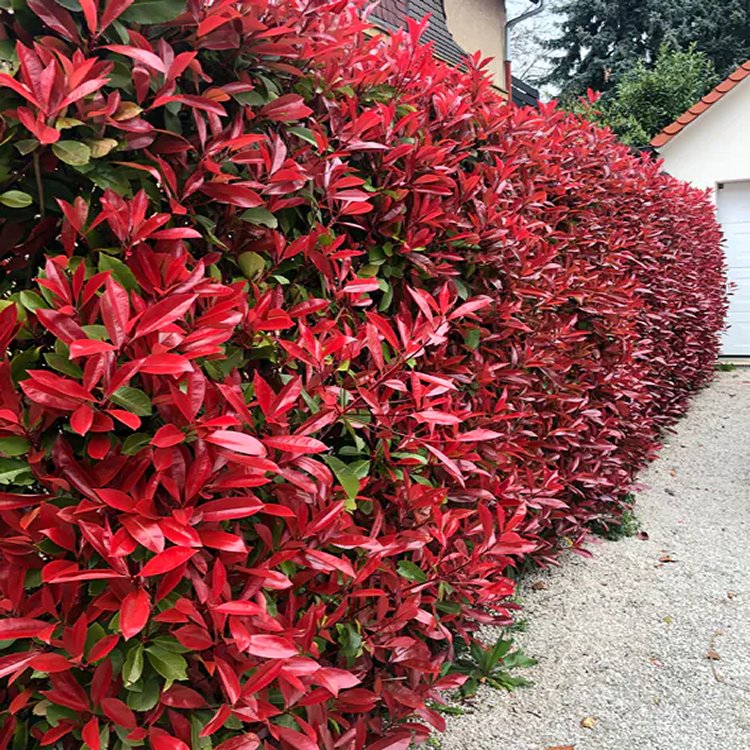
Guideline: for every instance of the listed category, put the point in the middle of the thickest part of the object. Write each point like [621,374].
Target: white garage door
[733,200]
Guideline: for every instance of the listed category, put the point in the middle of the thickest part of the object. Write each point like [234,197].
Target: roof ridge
[706,102]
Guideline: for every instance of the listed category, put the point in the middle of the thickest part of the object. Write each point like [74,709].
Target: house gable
[713,148]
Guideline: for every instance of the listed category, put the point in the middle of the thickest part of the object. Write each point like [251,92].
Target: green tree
[601,40]
[646,99]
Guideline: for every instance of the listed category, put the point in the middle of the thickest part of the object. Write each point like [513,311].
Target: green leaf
[119,270]
[450,608]
[26,146]
[170,666]
[305,134]
[11,470]
[153,11]
[101,147]
[16,199]
[350,641]
[170,644]
[135,442]
[133,400]
[74,153]
[14,446]
[412,572]
[64,365]
[147,697]
[95,331]
[347,478]
[22,361]
[94,634]
[132,668]
[65,123]
[31,300]
[251,264]
[471,337]
[262,216]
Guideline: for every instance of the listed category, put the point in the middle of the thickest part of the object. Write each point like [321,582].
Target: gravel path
[649,641]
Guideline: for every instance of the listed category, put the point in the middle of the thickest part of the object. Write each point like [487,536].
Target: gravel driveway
[649,642]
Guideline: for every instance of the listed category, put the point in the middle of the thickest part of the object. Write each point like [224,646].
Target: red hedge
[312,337]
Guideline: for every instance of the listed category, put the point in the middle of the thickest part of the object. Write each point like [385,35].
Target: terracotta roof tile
[700,107]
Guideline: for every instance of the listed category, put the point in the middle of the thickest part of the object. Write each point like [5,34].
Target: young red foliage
[312,338]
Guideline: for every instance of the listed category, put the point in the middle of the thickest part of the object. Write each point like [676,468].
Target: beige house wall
[480,25]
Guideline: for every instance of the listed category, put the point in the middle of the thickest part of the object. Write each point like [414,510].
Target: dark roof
[393,13]
[523,94]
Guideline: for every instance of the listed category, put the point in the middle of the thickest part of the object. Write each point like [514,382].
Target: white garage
[709,147]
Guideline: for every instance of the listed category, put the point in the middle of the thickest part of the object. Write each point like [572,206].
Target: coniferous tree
[600,40]
[648,98]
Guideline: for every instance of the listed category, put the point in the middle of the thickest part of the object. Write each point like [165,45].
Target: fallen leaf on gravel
[588,723]
[642,535]
[712,655]
[730,594]
[670,491]
[561,747]
[539,585]
[667,559]
[667,620]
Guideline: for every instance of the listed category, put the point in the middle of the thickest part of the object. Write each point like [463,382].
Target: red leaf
[167,436]
[239,608]
[168,560]
[129,420]
[90,733]
[437,417]
[247,741]
[165,312]
[194,637]
[271,647]
[50,663]
[231,508]
[134,613]
[295,739]
[16,662]
[179,696]
[115,710]
[223,541]
[21,627]
[285,108]
[229,680]
[473,305]
[81,419]
[115,309]
[359,286]
[142,56]
[238,442]
[90,14]
[56,17]
[161,740]
[87,347]
[12,501]
[295,444]
[232,194]
[113,10]
[478,435]
[166,364]
[146,532]
[103,647]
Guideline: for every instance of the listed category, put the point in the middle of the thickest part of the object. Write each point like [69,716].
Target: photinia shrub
[308,339]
